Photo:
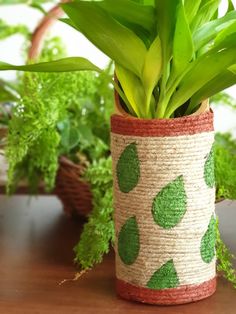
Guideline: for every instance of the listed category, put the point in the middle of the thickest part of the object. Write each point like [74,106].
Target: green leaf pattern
[168,210]
[208,242]
[128,169]
[170,204]
[128,241]
[164,278]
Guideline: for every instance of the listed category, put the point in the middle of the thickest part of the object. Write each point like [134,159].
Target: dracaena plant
[169,55]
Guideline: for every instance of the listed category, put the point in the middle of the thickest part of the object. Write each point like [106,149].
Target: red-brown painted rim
[180,295]
[187,125]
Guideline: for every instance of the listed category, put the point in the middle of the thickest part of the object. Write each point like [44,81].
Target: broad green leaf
[145,2]
[128,241]
[208,242]
[205,13]
[142,33]
[231,5]
[231,29]
[191,8]
[233,68]
[183,50]
[222,81]
[38,6]
[170,204]
[115,40]
[165,277]
[10,2]
[131,12]
[166,20]
[133,89]
[62,65]
[128,169]
[208,32]
[152,70]
[206,68]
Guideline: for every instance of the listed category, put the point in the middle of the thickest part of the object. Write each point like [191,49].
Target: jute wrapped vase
[164,198]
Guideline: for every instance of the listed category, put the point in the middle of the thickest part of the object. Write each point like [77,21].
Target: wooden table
[36,242]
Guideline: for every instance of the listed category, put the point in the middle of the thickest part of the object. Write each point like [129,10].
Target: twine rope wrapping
[171,204]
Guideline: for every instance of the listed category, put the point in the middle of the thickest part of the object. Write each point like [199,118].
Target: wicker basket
[74,192]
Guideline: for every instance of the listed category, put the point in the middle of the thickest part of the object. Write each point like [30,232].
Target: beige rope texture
[162,160]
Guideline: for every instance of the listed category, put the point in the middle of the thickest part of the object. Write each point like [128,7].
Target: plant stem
[124,98]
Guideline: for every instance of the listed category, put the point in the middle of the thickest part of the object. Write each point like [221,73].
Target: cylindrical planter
[164,198]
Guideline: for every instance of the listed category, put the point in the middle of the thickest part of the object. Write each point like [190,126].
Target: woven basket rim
[67,162]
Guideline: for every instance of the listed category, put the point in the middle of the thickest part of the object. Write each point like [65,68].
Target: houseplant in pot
[170,56]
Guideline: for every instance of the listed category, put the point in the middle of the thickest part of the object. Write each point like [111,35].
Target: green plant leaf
[208,242]
[232,69]
[191,8]
[152,70]
[133,90]
[225,162]
[228,31]
[231,5]
[10,2]
[7,30]
[222,81]
[165,277]
[74,137]
[225,258]
[170,204]
[145,2]
[115,40]
[131,12]
[166,20]
[38,6]
[128,169]
[62,65]
[183,50]
[142,33]
[128,241]
[208,31]
[98,233]
[205,13]
[204,69]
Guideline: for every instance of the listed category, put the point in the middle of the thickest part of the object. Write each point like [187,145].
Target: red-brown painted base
[181,295]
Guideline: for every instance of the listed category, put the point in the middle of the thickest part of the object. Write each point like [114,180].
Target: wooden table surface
[36,241]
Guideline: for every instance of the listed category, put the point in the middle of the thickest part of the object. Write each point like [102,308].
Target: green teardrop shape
[209,170]
[128,169]
[164,278]
[170,204]
[128,241]
[208,242]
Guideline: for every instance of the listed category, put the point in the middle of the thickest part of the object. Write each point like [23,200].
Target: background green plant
[71,120]
[98,233]
[225,166]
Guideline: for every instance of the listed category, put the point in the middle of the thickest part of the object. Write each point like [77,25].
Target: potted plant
[170,56]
